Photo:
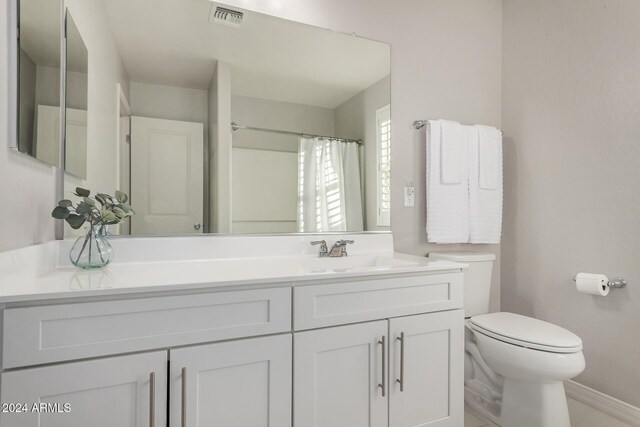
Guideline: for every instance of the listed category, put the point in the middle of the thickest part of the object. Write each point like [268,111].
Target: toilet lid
[526,332]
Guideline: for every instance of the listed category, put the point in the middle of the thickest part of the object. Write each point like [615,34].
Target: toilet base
[534,405]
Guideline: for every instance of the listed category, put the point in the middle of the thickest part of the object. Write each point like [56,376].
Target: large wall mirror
[220,120]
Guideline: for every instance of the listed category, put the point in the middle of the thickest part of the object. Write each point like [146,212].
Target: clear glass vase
[92,250]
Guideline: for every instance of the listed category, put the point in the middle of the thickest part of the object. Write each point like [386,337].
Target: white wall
[445,63]
[356,118]
[105,71]
[571,91]
[27,186]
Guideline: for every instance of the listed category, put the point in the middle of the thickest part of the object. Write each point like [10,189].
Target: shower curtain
[329,192]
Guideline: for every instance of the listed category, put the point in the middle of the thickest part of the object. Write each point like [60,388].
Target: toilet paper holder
[618,282]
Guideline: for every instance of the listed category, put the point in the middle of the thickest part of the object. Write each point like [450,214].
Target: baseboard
[604,403]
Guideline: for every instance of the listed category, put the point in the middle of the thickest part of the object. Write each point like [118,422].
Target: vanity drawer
[45,334]
[349,302]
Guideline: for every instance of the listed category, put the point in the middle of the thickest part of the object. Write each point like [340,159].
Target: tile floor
[581,416]
[473,419]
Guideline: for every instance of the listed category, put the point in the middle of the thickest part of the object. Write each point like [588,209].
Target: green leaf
[75,221]
[89,201]
[82,192]
[65,203]
[119,212]
[108,215]
[125,207]
[121,197]
[102,198]
[60,212]
[83,208]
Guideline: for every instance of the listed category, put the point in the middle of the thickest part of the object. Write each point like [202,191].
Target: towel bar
[419,124]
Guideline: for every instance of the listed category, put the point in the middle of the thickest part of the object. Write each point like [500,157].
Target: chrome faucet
[339,248]
[323,248]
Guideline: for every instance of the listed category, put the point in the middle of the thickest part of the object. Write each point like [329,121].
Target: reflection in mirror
[77,63]
[39,79]
[309,153]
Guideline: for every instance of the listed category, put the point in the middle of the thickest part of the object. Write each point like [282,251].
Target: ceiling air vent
[224,16]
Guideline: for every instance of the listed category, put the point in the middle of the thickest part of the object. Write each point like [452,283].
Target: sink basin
[357,263]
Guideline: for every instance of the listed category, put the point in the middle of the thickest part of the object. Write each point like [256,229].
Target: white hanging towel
[447,183]
[485,184]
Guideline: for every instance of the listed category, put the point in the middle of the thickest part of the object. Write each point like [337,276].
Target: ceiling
[172,42]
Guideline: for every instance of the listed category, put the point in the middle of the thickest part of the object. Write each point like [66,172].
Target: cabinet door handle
[401,379]
[183,414]
[152,399]
[383,384]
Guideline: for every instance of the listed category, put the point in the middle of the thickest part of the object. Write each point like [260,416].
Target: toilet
[514,365]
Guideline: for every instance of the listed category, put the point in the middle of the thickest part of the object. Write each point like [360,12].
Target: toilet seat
[526,332]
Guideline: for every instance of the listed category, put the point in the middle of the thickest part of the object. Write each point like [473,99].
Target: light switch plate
[409,197]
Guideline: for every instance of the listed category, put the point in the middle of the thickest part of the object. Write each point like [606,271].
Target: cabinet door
[431,366]
[243,383]
[109,392]
[337,372]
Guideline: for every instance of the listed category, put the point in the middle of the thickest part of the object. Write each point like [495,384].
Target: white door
[167,178]
[243,383]
[430,365]
[100,393]
[337,373]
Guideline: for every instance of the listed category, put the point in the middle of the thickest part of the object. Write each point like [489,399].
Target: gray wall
[356,118]
[168,102]
[572,203]
[27,95]
[277,115]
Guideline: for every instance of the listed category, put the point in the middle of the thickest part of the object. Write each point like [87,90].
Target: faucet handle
[323,247]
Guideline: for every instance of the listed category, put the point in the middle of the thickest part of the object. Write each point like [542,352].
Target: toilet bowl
[534,358]
[514,364]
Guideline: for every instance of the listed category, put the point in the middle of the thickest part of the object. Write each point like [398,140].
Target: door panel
[336,376]
[433,370]
[100,393]
[244,383]
[167,181]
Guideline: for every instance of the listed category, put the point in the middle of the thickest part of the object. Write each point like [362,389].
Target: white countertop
[22,281]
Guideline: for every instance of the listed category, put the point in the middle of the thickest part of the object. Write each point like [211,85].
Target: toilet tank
[477,278]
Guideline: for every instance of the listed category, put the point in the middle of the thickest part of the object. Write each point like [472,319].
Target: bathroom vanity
[235,339]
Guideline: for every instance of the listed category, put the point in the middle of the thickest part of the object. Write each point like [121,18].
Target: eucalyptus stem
[84,245]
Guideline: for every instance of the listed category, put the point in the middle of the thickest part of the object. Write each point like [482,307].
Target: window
[383,131]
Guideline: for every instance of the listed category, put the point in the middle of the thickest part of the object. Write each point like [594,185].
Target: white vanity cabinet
[350,376]
[236,383]
[305,353]
[123,391]
[336,375]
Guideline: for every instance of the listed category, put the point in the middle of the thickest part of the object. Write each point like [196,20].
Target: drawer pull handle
[183,414]
[401,379]
[152,399]
[383,384]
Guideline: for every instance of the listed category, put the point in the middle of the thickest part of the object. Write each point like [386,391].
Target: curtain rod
[419,124]
[235,127]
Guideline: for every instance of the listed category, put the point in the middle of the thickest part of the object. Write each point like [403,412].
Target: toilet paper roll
[594,284]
